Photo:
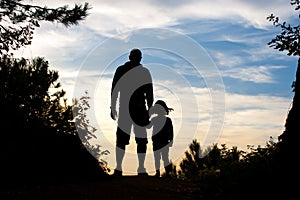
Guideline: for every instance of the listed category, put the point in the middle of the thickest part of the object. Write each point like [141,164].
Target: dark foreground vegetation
[44,156]
[39,141]
[38,133]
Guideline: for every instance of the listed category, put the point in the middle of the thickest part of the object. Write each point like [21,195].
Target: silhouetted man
[132,86]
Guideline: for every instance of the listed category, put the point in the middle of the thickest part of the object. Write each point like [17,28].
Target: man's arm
[114,96]
[149,91]
[170,131]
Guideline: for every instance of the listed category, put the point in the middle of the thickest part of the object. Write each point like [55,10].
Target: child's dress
[162,139]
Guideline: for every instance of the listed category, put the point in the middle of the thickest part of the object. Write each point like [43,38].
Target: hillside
[126,187]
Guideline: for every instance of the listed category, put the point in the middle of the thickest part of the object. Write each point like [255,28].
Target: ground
[126,187]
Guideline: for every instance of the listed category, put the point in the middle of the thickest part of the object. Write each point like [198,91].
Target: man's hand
[113,114]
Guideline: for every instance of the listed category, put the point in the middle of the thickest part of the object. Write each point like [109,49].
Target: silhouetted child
[162,135]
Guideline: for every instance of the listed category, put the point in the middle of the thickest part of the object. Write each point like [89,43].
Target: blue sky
[225,83]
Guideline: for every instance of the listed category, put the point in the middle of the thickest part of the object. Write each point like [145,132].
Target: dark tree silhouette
[191,165]
[38,134]
[225,173]
[18,21]
[289,40]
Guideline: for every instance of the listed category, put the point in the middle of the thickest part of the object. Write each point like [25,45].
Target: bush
[38,134]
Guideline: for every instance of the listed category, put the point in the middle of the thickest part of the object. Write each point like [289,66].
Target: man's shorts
[138,121]
[124,137]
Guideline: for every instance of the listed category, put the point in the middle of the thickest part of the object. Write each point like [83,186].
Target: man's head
[135,55]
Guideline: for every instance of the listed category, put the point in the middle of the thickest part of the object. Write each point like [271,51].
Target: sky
[209,61]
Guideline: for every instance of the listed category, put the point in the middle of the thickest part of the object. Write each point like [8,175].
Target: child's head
[160,107]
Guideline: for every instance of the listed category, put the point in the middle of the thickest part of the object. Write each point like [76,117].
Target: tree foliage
[18,21]
[24,92]
[38,133]
[199,163]
[289,38]
[225,173]
[191,165]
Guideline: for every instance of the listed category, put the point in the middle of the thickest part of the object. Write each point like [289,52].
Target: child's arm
[170,132]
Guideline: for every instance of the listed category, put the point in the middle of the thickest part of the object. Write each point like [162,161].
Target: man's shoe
[157,174]
[143,174]
[117,173]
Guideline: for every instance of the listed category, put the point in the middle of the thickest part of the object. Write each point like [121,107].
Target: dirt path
[126,187]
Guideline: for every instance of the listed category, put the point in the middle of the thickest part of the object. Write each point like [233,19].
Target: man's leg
[141,152]
[120,152]
[141,140]
[122,140]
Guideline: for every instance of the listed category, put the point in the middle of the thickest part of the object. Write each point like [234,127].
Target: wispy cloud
[108,18]
[111,17]
[256,74]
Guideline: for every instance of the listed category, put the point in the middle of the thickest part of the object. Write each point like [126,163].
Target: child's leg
[157,159]
[165,158]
